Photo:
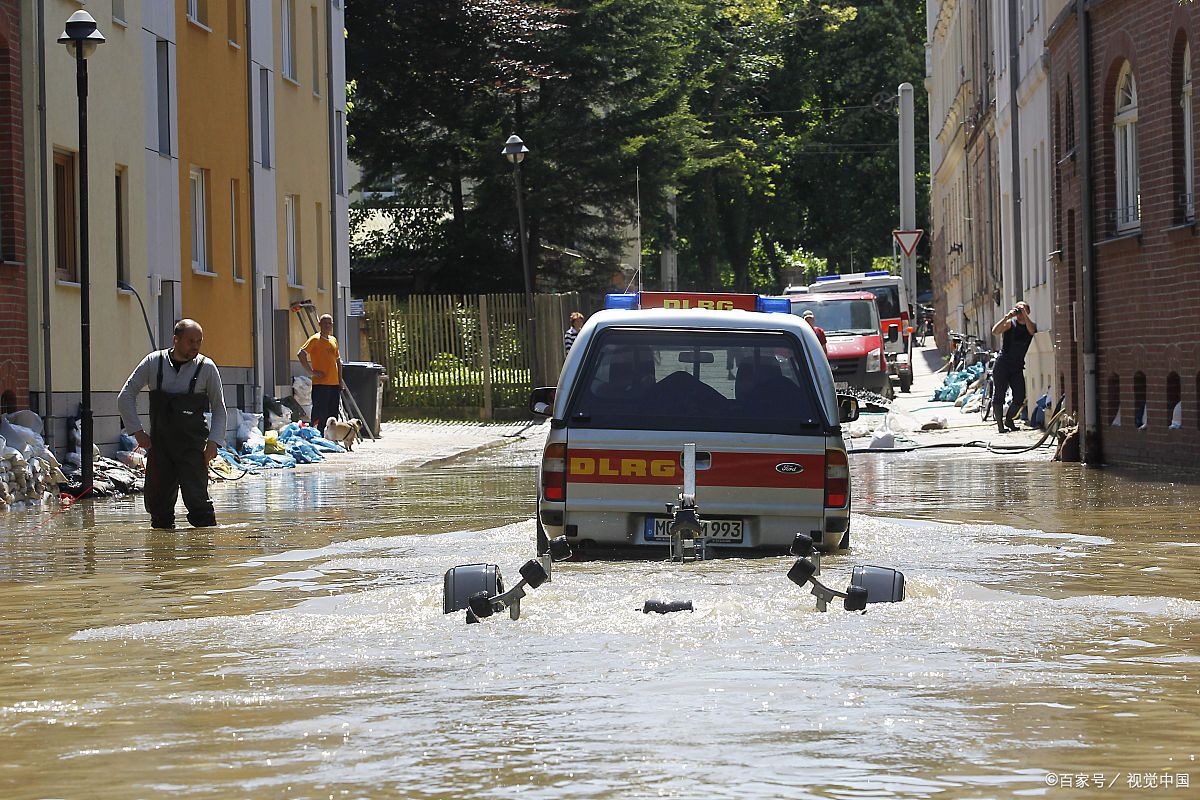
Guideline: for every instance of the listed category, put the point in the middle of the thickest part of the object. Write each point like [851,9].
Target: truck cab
[894,312]
[852,328]
[739,377]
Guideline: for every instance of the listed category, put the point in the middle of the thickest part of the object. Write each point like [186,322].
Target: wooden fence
[464,355]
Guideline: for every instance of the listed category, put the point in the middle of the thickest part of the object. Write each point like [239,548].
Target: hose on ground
[1051,428]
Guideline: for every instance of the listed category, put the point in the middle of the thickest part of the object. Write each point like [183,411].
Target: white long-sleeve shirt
[174,382]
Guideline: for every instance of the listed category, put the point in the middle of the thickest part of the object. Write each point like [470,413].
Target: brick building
[1144,233]
[14,336]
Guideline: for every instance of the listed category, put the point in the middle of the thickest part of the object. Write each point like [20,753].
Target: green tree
[592,87]
[801,150]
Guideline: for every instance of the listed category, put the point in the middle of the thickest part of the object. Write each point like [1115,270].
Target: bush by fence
[455,353]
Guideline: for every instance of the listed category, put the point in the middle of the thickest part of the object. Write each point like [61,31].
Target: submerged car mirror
[893,332]
[877,584]
[541,400]
[847,408]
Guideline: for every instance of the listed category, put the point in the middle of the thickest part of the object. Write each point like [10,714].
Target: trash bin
[364,380]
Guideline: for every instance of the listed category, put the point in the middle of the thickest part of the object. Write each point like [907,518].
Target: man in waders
[183,385]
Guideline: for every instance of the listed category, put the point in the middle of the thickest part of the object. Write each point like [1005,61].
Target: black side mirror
[893,332]
[541,400]
[847,408]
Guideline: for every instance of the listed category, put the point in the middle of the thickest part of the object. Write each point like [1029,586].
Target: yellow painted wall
[302,167]
[214,135]
[115,136]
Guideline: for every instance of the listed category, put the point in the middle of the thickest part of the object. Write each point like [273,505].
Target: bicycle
[924,325]
[989,388]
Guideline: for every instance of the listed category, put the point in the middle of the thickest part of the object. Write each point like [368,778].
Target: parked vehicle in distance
[659,370]
[895,309]
[796,290]
[850,320]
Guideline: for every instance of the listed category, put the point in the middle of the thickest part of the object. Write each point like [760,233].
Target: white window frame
[234,237]
[197,12]
[288,32]
[1189,140]
[1125,152]
[314,18]
[291,235]
[118,12]
[198,202]
[320,231]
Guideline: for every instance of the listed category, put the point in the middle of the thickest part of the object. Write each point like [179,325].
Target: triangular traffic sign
[908,240]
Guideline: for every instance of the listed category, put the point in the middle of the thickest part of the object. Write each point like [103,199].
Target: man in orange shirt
[320,357]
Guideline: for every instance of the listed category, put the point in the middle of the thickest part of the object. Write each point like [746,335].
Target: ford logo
[789,468]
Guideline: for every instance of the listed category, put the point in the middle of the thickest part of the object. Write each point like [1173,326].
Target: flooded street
[1051,632]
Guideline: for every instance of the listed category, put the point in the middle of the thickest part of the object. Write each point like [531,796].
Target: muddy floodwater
[1050,641]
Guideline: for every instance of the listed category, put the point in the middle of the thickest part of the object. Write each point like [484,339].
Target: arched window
[1129,200]
[1189,146]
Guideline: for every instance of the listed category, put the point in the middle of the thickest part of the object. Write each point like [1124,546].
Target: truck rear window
[661,379]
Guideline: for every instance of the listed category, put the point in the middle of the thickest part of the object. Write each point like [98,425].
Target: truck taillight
[554,472]
[837,479]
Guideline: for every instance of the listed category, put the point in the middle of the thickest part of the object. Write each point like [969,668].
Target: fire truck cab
[894,313]
[739,377]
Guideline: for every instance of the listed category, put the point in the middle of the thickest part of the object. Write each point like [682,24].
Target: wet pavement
[1051,634]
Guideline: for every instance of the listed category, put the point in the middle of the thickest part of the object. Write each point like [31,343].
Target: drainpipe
[43,180]
[335,156]
[1014,80]
[1091,444]
[255,300]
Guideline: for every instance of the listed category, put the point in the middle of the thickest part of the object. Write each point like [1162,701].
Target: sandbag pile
[293,444]
[958,382]
[29,472]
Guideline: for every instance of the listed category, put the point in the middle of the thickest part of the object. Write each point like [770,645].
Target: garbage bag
[26,419]
[18,435]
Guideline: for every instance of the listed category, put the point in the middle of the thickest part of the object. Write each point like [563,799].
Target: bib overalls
[178,435]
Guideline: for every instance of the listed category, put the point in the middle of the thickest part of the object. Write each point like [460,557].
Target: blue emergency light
[621,302]
[880,273]
[774,305]
[824,278]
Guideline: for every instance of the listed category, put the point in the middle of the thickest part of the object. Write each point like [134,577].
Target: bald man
[183,385]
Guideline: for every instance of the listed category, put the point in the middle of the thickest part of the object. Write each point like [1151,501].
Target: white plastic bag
[882,439]
[26,419]
[18,435]
[302,390]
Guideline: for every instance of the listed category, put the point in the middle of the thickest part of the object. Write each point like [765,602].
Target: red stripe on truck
[659,468]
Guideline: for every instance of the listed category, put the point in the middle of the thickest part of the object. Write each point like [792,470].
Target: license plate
[717,530]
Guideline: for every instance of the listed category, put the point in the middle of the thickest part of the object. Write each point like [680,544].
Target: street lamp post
[81,38]
[515,150]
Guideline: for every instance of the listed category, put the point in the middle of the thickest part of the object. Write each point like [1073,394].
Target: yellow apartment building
[216,187]
[214,176]
[303,182]
[118,217]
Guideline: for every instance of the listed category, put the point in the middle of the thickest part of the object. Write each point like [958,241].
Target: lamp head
[514,149]
[81,27]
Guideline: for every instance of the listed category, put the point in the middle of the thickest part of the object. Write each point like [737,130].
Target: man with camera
[1016,329]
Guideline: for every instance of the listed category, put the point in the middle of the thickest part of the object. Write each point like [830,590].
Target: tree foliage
[771,121]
